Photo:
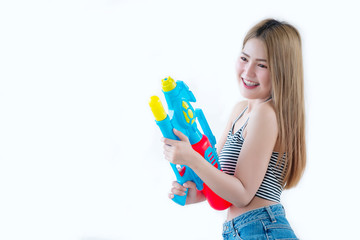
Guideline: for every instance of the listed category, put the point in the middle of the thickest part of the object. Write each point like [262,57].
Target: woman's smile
[249,84]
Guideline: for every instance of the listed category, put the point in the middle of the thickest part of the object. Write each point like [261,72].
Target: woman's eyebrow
[258,59]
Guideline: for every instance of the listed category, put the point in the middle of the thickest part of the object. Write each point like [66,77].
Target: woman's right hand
[193,196]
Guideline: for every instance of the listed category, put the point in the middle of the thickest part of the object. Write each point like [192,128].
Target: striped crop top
[271,187]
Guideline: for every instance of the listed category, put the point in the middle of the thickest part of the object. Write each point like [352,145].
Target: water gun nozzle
[168,84]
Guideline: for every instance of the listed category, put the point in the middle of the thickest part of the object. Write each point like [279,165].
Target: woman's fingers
[177,189]
[177,185]
[190,184]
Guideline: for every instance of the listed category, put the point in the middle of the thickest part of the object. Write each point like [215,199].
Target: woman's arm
[252,163]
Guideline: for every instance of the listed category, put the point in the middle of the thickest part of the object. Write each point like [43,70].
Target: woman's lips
[249,84]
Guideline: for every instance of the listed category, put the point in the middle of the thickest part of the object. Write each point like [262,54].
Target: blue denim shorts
[267,223]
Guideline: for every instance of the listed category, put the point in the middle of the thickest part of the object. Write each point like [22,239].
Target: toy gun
[182,116]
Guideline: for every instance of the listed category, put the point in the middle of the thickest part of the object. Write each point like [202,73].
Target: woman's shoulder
[264,115]
[238,108]
[265,109]
[236,111]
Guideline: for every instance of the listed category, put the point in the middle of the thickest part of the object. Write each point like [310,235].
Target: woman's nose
[249,70]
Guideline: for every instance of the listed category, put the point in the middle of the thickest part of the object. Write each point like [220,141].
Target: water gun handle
[163,121]
[167,131]
[181,200]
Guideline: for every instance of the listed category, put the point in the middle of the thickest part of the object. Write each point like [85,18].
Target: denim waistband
[268,212]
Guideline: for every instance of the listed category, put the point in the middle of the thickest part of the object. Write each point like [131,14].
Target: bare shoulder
[265,110]
[238,108]
[264,114]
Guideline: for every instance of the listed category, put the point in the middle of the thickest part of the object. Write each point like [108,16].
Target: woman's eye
[262,66]
[243,58]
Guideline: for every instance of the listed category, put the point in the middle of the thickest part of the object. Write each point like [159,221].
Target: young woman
[262,150]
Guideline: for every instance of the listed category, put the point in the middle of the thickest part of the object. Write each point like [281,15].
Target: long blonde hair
[283,45]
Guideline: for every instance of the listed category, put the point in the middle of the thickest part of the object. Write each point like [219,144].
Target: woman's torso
[239,127]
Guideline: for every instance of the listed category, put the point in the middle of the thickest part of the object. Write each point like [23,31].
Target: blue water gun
[182,116]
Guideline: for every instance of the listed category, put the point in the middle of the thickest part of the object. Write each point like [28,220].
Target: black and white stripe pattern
[271,187]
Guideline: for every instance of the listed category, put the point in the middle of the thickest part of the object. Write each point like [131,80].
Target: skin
[260,137]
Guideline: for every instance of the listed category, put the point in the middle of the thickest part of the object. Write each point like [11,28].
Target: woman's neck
[252,103]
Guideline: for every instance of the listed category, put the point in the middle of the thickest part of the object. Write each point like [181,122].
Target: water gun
[182,116]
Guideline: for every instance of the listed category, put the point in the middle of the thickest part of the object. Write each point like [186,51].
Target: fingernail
[185,185]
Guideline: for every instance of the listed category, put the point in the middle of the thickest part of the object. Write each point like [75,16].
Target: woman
[262,150]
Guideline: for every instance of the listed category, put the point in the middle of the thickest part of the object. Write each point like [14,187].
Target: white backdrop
[80,154]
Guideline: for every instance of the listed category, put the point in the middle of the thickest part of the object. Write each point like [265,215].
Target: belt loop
[271,214]
[233,227]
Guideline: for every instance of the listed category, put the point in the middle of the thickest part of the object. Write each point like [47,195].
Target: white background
[80,154]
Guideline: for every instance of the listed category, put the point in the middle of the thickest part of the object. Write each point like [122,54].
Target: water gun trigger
[184,174]
[187,173]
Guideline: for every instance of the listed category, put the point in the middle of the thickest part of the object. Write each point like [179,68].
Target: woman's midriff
[255,203]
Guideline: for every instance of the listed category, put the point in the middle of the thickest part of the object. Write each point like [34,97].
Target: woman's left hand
[178,151]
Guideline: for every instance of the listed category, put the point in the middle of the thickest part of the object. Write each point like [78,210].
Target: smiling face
[253,72]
